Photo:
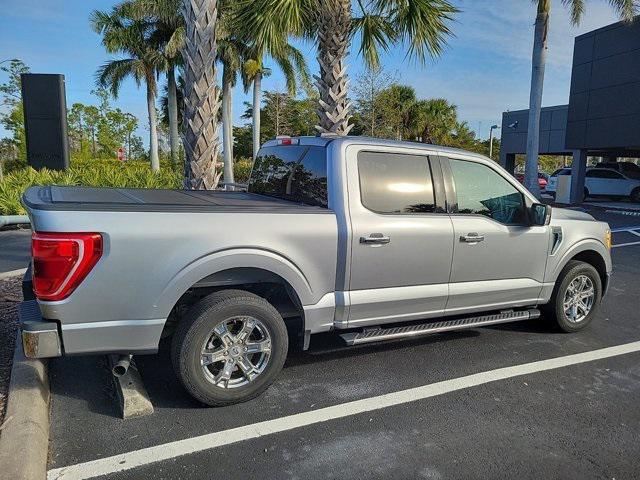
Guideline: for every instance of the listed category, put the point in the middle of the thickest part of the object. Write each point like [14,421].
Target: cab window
[297,173]
[480,190]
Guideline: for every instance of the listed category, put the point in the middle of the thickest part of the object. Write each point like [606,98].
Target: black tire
[555,311]
[635,195]
[585,194]
[196,327]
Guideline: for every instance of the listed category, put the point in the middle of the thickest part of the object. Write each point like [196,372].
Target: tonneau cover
[130,199]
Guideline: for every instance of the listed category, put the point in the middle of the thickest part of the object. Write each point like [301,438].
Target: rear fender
[229,259]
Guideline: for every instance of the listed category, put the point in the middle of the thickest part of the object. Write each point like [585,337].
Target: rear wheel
[635,195]
[229,348]
[585,194]
[576,297]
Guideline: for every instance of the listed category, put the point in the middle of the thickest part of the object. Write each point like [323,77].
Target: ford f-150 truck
[368,238]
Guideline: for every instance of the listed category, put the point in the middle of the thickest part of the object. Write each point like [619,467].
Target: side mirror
[540,214]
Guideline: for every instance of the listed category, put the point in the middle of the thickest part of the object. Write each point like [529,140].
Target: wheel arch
[264,273]
[588,251]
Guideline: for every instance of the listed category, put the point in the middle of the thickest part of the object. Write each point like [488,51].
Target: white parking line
[624,229]
[625,244]
[167,451]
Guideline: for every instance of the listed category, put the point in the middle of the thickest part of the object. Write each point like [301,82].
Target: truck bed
[146,200]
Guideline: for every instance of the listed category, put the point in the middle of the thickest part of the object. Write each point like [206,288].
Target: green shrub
[92,173]
[96,173]
[242,169]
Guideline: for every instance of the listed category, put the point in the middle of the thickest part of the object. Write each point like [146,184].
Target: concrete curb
[12,273]
[24,438]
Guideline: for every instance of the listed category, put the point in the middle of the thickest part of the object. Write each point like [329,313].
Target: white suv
[601,182]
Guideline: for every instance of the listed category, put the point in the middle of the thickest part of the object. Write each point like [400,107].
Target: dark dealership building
[603,115]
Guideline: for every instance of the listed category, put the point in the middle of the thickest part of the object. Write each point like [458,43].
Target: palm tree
[201,95]
[434,120]
[168,36]
[232,52]
[130,37]
[626,9]
[398,103]
[292,64]
[268,36]
[378,24]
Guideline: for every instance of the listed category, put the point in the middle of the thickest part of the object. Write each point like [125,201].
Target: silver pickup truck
[370,239]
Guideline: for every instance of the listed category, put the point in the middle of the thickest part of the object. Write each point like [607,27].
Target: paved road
[14,249]
[580,421]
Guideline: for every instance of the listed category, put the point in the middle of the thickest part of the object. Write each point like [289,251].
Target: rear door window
[293,172]
[395,183]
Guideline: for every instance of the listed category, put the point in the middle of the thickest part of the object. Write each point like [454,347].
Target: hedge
[95,173]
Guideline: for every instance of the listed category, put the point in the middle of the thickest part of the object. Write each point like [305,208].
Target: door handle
[472,238]
[375,239]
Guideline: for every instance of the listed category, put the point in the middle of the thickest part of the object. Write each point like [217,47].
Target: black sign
[45,120]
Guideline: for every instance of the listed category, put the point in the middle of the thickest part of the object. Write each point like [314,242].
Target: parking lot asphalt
[579,421]
[14,249]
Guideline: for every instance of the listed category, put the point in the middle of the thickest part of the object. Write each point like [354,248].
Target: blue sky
[485,69]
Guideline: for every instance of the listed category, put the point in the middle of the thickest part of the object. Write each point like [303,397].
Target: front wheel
[576,297]
[229,348]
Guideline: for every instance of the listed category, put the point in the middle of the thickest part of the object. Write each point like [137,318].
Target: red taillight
[61,261]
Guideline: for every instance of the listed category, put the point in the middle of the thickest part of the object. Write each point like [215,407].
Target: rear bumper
[40,338]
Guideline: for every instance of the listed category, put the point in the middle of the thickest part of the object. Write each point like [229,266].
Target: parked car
[370,239]
[602,182]
[542,179]
[629,169]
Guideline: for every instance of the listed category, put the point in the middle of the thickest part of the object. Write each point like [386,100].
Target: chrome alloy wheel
[579,298]
[236,352]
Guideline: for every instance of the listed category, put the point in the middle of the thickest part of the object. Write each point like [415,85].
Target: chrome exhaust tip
[121,365]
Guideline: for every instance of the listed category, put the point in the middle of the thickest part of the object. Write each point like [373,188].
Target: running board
[378,334]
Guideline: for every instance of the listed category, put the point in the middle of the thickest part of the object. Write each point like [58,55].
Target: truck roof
[323,141]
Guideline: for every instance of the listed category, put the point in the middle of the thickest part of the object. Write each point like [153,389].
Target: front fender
[234,258]
[556,265]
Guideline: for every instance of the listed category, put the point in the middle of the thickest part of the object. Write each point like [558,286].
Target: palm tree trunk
[174,136]
[153,130]
[227,127]
[257,95]
[535,101]
[334,110]
[202,95]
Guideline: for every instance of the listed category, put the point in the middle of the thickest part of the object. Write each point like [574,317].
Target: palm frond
[423,24]
[376,32]
[175,43]
[627,9]
[576,9]
[112,73]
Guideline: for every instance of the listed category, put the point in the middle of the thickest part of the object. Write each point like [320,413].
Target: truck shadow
[88,380]
[165,390]
[329,347]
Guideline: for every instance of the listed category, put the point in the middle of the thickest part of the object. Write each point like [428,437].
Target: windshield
[293,172]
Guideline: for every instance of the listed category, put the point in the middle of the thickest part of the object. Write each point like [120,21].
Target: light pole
[493,127]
